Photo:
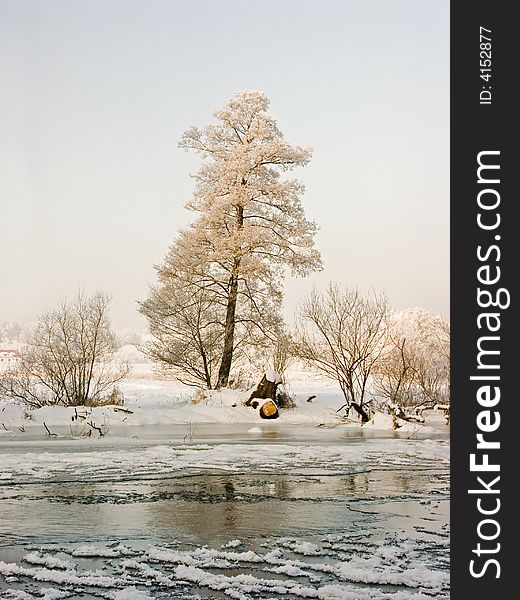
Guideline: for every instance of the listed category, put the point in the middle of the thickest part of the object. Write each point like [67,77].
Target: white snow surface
[152,401]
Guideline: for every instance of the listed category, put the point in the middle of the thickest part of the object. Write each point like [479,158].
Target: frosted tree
[249,230]
[415,371]
[185,314]
[9,331]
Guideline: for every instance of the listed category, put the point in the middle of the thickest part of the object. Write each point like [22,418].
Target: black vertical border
[475,128]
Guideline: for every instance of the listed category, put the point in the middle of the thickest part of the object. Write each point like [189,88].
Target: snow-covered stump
[283,399]
[270,388]
[266,389]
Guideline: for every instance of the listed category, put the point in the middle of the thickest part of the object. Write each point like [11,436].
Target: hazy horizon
[95,97]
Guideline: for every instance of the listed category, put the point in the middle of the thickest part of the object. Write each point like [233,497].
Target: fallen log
[398,412]
[124,410]
[269,410]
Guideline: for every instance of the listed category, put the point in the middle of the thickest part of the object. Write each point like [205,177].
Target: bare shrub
[69,358]
[283,355]
[395,374]
[341,333]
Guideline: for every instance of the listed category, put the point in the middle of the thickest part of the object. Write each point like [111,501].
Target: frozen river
[307,513]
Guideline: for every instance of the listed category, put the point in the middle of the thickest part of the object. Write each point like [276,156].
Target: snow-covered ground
[151,401]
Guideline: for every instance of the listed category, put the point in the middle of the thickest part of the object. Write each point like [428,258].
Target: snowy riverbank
[153,404]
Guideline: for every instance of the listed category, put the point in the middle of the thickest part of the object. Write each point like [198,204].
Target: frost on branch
[414,372]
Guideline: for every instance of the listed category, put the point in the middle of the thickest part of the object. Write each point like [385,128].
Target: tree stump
[270,389]
[265,389]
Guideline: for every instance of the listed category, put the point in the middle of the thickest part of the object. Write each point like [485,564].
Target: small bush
[115,398]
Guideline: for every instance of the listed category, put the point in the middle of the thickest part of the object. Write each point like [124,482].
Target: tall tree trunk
[229,334]
[229,331]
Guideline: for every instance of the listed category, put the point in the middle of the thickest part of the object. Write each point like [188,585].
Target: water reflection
[205,507]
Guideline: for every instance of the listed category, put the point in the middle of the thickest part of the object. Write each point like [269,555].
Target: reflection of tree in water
[405,482]
[283,489]
[354,484]
[383,482]
[225,507]
[229,489]
[228,506]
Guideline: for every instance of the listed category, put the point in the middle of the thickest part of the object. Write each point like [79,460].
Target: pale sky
[96,94]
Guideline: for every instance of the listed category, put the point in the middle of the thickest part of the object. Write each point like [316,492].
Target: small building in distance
[9,359]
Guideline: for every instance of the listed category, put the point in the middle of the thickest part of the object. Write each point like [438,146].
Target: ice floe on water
[119,463]
[399,569]
[362,521]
